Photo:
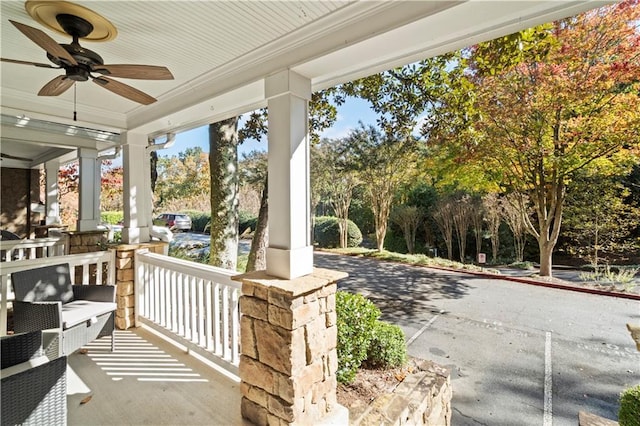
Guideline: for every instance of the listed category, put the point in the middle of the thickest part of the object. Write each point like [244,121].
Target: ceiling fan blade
[43,40]
[124,90]
[56,87]
[35,64]
[142,72]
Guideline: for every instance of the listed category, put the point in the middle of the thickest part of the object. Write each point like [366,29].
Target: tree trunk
[154,169]
[223,163]
[595,244]
[495,242]
[343,230]
[546,252]
[258,254]
[381,206]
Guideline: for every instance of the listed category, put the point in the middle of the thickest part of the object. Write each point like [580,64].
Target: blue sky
[352,111]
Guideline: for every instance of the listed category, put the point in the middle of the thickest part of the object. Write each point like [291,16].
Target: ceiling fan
[80,63]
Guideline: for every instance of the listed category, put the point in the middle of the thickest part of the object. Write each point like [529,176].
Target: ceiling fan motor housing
[73,25]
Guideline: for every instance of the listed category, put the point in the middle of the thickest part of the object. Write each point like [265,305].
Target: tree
[596,214]
[461,210]
[408,218]
[223,162]
[111,193]
[400,96]
[569,99]
[493,216]
[183,181]
[384,164]
[335,180]
[254,173]
[443,216]
[68,181]
[477,222]
[512,208]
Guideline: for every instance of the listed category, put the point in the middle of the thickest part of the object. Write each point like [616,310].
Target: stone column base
[288,357]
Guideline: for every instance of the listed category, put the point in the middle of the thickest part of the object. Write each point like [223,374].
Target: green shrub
[326,232]
[198,219]
[246,223]
[526,265]
[387,348]
[394,241]
[112,218]
[356,318]
[629,414]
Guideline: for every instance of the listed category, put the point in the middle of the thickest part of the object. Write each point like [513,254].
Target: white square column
[89,190]
[52,168]
[290,253]
[137,188]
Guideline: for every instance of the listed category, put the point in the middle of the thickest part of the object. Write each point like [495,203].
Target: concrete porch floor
[147,381]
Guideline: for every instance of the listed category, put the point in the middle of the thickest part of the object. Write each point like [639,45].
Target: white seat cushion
[78,311]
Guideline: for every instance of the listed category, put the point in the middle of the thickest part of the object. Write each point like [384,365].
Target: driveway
[518,354]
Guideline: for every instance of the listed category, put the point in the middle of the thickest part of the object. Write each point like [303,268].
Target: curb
[542,283]
[521,280]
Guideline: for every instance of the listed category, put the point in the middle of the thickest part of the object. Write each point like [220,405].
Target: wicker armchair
[34,389]
[77,314]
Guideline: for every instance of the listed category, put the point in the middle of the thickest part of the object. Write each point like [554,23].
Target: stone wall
[288,357]
[125,275]
[423,398]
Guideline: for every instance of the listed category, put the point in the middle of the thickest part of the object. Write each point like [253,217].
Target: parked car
[174,221]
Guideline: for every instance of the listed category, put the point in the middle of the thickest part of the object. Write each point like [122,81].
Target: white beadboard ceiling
[221,51]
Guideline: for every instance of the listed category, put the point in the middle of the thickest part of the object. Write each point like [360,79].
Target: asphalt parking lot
[518,354]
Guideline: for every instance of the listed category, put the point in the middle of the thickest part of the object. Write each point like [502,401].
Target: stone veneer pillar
[125,297]
[288,357]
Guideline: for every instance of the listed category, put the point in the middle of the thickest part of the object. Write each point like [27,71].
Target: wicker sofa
[72,315]
[34,388]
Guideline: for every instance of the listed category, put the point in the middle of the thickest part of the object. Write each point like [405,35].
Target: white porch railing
[14,250]
[100,265]
[198,303]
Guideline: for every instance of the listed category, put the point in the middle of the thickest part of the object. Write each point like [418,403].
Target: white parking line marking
[424,327]
[548,382]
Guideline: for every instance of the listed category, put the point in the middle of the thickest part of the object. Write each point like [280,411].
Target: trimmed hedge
[629,414]
[199,219]
[112,218]
[246,221]
[356,318]
[387,348]
[326,232]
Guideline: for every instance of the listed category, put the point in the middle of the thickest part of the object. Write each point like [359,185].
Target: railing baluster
[225,323]
[156,293]
[184,296]
[192,308]
[216,317]
[168,274]
[208,317]
[235,326]
[174,305]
